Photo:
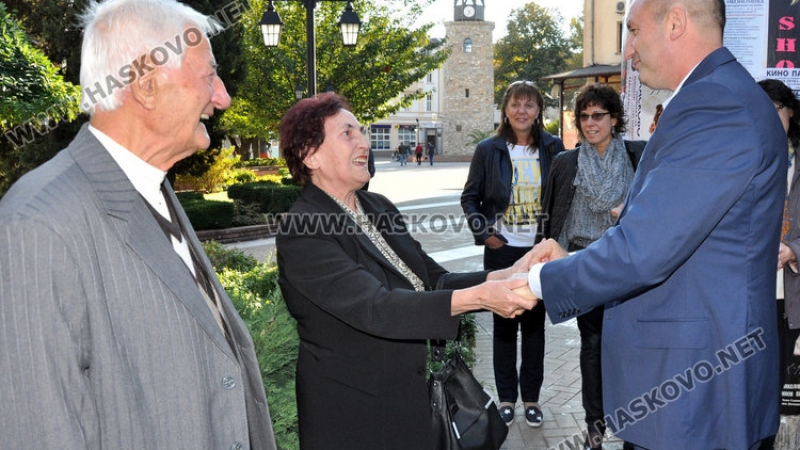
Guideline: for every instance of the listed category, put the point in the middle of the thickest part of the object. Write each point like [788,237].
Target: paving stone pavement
[560,397]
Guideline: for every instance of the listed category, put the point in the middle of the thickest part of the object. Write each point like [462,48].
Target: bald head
[667,38]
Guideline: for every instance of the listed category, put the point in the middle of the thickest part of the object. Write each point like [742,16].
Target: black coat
[361,370]
[487,191]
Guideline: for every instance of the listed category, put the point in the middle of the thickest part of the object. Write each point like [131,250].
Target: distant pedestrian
[402,153]
[431,152]
[418,153]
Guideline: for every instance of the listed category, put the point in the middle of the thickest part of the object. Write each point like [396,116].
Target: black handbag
[464,414]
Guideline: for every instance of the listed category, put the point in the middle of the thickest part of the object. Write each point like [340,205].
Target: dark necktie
[173,229]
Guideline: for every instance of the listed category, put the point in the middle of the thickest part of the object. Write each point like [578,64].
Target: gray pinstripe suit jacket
[106,340]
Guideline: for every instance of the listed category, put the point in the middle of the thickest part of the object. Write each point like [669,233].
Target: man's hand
[547,250]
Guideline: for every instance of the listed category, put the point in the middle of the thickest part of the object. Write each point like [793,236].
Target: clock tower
[468,10]
[467,100]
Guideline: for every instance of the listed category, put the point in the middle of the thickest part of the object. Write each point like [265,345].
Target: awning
[593,71]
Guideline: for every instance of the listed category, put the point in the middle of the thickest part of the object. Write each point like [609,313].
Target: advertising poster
[783,59]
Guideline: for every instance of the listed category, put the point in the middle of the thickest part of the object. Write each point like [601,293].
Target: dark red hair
[302,130]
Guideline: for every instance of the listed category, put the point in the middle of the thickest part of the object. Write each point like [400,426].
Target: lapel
[383,218]
[135,225]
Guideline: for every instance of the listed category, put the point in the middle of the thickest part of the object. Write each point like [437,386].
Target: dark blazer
[690,344]
[107,341]
[559,190]
[361,371]
[487,191]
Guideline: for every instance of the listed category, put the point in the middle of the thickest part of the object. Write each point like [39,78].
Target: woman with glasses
[584,191]
[502,202]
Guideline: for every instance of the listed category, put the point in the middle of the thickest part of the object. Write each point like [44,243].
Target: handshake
[506,292]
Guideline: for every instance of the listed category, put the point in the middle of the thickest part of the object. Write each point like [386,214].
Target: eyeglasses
[596,116]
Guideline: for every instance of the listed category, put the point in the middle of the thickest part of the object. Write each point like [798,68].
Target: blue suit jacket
[690,354]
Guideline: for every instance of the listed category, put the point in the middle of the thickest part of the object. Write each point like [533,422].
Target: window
[619,37]
[467,45]
[466,93]
[407,134]
[429,103]
[430,77]
[379,138]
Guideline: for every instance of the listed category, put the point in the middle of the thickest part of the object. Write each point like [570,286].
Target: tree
[54,25]
[374,76]
[534,47]
[34,99]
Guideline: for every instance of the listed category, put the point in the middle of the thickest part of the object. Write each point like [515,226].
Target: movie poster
[783,59]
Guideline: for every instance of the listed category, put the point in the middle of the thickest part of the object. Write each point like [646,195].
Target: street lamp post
[349,25]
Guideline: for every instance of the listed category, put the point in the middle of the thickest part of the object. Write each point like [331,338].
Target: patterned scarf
[603,182]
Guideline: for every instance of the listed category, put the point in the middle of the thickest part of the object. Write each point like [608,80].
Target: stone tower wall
[473,72]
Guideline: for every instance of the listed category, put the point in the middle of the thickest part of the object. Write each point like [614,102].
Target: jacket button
[228,382]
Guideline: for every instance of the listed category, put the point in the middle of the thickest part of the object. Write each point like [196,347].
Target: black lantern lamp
[271,26]
[349,25]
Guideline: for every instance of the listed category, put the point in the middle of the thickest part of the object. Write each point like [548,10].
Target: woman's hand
[494,242]
[506,298]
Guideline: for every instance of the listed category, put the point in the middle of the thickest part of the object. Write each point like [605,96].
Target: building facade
[460,94]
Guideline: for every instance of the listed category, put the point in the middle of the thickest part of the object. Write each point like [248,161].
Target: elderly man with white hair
[116,332]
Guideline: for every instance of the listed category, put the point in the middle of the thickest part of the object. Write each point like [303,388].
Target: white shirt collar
[675,92]
[145,178]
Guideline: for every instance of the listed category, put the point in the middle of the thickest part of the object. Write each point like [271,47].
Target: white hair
[124,39]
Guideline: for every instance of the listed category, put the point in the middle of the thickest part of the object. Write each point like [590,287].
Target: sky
[497,11]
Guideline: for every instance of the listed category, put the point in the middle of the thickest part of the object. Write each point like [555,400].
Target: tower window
[467,45]
[466,93]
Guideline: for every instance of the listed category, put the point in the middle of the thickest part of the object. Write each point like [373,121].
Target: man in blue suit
[687,277]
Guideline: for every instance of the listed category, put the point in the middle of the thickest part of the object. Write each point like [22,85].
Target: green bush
[189,196]
[262,162]
[208,214]
[273,199]
[225,258]
[216,178]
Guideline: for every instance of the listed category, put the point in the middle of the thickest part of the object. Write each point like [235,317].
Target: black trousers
[590,326]
[504,339]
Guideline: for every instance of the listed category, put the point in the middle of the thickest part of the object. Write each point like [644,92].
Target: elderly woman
[583,190]
[365,295]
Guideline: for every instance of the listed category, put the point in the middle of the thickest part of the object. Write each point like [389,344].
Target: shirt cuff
[535,281]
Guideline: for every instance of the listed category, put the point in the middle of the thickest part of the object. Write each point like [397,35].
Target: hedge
[208,214]
[272,198]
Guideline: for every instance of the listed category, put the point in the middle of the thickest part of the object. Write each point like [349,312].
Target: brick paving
[560,397]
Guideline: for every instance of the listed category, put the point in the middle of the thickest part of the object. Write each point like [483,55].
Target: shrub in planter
[271,197]
[208,214]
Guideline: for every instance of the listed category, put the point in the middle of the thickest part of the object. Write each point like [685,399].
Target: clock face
[469,11]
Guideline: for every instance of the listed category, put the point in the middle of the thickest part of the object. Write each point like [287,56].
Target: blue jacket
[687,277]
[487,191]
